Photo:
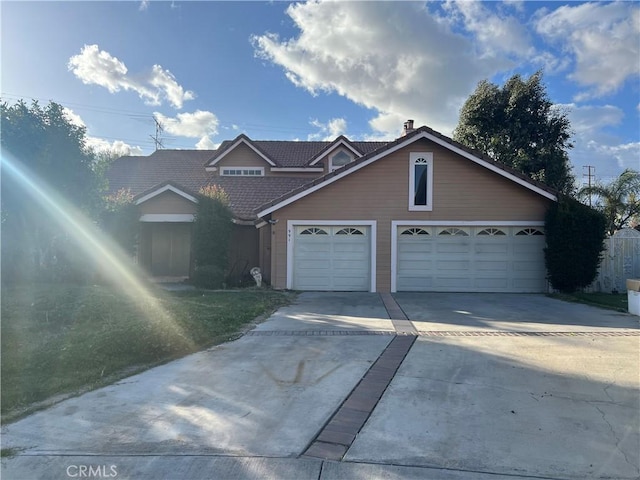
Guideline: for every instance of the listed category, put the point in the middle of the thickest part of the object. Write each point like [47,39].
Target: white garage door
[334,258]
[470,259]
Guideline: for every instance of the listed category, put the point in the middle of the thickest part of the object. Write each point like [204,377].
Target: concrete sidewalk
[488,390]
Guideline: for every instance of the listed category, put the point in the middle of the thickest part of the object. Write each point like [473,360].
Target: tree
[575,237]
[48,144]
[519,126]
[618,200]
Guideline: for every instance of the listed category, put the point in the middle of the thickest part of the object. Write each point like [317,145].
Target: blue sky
[208,71]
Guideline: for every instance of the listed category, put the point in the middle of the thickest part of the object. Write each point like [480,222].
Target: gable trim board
[291,236]
[166,188]
[363,162]
[341,142]
[241,140]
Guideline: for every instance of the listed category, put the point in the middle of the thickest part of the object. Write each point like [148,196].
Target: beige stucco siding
[167,203]
[462,191]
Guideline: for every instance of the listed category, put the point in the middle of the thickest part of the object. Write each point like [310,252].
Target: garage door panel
[457,247]
[312,264]
[528,266]
[499,248]
[415,284]
[492,266]
[452,283]
[415,266]
[486,259]
[449,265]
[490,284]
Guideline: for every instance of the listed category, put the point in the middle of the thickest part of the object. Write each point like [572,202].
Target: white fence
[620,261]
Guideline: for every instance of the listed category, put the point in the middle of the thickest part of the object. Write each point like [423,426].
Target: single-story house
[420,213]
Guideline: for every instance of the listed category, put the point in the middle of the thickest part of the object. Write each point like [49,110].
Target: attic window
[339,160]
[242,171]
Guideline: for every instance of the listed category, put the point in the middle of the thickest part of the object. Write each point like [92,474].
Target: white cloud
[205,143]
[328,131]
[395,58]
[166,82]
[73,117]
[199,124]
[516,4]
[116,147]
[144,4]
[594,146]
[589,119]
[98,67]
[497,34]
[603,38]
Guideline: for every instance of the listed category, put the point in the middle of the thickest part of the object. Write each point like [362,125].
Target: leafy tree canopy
[618,200]
[48,143]
[519,126]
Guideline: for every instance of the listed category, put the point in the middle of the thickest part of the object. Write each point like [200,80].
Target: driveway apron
[362,385]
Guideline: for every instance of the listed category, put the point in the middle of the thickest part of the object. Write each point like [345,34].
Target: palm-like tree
[618,200]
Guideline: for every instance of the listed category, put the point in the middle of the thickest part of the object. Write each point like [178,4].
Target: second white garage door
[470,259]
[335,258]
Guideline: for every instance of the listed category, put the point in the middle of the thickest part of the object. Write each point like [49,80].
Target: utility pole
[156,138]
[590,174]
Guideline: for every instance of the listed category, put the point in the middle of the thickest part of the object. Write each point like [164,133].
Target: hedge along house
[421,213]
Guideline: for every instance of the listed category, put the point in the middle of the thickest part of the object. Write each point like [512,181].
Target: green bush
[119,219]
[575,234]
[212,229]
[208,276]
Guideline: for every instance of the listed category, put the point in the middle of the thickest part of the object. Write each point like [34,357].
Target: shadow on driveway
[541,406]
[506,311]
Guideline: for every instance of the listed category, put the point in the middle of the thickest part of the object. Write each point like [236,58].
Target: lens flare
[111,261]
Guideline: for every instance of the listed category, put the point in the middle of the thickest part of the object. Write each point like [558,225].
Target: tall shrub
[119,219]
[575,234]
[211,236]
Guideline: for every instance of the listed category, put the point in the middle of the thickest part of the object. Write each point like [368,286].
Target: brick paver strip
[399,319]
[444,333]
[338,434]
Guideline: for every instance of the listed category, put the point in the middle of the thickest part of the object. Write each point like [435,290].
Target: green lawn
[60,339]
[610,301]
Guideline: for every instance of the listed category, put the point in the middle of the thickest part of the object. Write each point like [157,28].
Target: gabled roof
[183,172]
[290,153]
[138,174]
[227,148]
[340,141]
[388,148]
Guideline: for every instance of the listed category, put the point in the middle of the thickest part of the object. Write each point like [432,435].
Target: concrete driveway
[491,387]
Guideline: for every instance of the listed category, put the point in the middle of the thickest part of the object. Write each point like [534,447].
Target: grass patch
[61,339]
[611,301]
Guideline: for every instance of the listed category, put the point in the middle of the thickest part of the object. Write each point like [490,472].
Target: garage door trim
[448,223]
[292,224]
